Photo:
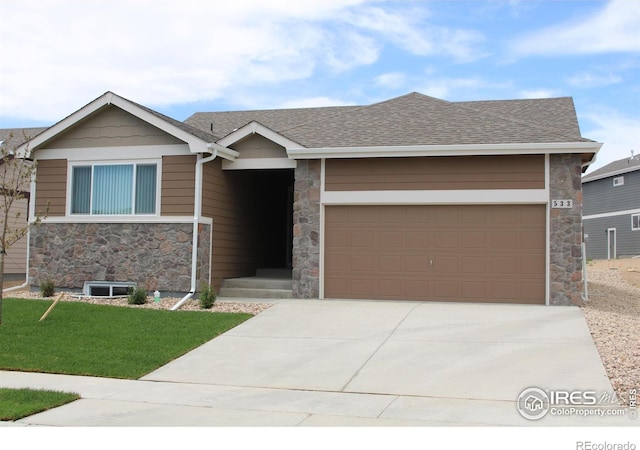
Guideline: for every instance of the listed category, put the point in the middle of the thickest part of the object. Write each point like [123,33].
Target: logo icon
[533,403]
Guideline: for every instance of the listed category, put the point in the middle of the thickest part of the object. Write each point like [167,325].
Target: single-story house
[413,198]
[611,211]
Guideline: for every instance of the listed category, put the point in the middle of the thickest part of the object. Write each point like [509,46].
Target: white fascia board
[437,197]
[257,128]
[260,163]
[443,150]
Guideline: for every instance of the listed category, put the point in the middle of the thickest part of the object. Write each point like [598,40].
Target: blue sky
[183,56]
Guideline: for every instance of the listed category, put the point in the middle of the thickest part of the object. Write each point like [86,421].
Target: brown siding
[225,200]
[112,127]
[436,173]
[51,186]
[256,146]
[178,185]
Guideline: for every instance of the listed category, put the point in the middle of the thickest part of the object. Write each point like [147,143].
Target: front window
[635,222]
[114,189]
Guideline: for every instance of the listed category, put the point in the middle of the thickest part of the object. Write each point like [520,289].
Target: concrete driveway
[345,363]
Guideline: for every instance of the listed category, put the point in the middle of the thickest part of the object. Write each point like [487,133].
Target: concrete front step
[239,292]
[258,283]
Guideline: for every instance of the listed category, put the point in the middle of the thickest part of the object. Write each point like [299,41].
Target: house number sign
[563,203]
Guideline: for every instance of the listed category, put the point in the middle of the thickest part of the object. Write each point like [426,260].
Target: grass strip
[18,403]
[101,340]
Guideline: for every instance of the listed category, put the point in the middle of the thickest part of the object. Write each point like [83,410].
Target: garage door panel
[416,263]
[473,265]
[504,265]
[416,239]
[364,263]
[445,265]
[446,239]
[338,262]
[474,239]
[393,239]
[484,253]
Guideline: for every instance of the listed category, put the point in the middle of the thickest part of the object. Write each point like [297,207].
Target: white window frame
[637,217]
[618,181]
[77,163]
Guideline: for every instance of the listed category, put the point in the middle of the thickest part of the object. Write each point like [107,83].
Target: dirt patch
[613,317]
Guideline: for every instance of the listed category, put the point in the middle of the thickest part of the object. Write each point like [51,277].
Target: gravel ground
[613,316]
[612,313]
[165,303]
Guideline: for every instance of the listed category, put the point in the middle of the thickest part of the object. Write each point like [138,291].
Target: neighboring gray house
[611,210]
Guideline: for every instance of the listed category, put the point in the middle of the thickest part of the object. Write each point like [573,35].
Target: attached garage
[467,253]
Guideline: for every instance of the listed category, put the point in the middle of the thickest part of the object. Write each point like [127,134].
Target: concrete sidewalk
[352,363]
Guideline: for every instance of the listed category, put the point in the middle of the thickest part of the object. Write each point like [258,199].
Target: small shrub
[137,296]
[207,297]
[47,288]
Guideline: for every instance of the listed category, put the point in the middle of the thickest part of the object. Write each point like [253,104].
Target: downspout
[197,207]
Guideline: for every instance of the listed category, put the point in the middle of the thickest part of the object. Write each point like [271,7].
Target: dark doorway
[268,207]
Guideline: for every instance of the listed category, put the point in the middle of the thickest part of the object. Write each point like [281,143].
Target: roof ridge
[356,108]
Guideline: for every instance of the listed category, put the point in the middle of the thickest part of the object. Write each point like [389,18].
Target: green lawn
[18,403]
[100,340]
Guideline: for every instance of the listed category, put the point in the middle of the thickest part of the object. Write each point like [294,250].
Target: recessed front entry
[484,253]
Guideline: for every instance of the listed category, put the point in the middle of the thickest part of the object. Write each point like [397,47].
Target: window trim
[637,216]
[92,163]
[618,181]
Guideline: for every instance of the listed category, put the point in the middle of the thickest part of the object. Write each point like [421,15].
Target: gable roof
[199,141]
[613,169]
[412,119]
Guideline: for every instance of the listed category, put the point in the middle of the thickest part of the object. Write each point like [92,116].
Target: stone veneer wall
[154,255]
[566,232]
[306,230]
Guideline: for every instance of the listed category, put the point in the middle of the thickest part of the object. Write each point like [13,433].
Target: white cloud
[539,93]
[314,102]
[58,55]
[589,80]
[454,89]
[619,134]
[613,29]
[391,80]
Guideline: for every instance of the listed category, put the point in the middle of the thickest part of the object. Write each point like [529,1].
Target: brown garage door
[485,253]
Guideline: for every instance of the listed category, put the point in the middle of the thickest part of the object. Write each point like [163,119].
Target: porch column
[306,230]
[566,232]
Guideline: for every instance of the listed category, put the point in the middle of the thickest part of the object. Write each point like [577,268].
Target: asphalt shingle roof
[412,119]
[616,167]
[14,137]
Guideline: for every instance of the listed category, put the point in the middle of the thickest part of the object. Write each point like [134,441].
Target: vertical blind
[116,189]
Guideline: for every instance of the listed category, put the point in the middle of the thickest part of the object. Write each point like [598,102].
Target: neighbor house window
[635,222]
[618,181]
[114,189]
